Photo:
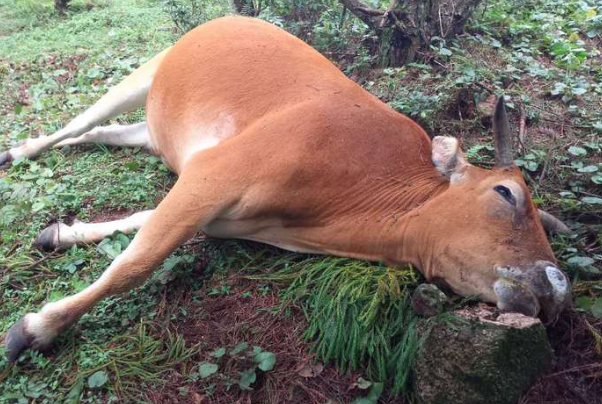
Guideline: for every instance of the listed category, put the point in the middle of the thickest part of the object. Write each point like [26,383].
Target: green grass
[64,64]
[359,314]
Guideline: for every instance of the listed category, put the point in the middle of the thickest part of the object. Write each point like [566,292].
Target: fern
[359,314]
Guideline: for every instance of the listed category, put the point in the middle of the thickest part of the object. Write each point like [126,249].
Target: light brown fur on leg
[188,207]
[124,97]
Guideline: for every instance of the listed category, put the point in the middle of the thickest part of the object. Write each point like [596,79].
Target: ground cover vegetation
[223,321]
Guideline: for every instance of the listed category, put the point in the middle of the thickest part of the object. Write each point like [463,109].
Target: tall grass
[359,314]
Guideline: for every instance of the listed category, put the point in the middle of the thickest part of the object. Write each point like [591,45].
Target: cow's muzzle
[540,289]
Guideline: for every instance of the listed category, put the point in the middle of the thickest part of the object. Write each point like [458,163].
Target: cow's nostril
[515,297]
[558,281]
[559,295]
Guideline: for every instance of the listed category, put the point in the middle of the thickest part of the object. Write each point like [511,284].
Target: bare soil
[225,320]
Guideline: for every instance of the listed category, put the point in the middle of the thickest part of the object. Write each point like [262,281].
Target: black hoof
[16,340]
[46,240]
[5,158]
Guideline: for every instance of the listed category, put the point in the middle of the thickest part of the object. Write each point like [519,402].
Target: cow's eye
[505,193]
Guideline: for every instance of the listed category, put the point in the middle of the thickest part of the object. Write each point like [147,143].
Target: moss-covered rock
[479,356]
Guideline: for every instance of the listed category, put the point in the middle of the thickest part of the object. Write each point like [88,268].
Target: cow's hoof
[5,158]
[47,240]
[17,339]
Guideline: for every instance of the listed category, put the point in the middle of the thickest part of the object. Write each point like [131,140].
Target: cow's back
[239,75]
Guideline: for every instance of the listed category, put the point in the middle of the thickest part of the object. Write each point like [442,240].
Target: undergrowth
[359,314]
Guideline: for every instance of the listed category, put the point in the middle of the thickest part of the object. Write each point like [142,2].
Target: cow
[272,143]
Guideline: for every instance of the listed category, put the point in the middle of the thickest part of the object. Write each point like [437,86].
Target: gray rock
[428,300]
[477,356]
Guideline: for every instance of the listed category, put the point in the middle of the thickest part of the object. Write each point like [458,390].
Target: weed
[189,14]
[359,314]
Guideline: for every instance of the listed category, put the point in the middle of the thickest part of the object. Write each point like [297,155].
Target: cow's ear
[447,156]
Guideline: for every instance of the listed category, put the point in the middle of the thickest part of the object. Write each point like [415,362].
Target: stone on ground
[478,356]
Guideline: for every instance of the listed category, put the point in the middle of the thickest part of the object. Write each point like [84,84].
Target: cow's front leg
[195,200]
[60,235]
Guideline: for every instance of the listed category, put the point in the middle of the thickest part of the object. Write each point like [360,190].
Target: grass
[359,315]
[62,65]
[52,67]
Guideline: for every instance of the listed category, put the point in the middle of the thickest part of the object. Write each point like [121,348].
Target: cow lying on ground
[273,143]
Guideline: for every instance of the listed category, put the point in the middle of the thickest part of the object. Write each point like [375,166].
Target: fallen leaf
[308,370]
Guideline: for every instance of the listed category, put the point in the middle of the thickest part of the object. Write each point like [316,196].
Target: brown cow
[273,143]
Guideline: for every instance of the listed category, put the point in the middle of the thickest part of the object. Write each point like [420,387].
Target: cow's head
[486,236]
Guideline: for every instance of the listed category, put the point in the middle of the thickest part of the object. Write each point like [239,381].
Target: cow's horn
[501,136]
[552,224]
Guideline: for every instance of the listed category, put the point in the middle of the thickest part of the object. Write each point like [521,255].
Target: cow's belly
[268,231]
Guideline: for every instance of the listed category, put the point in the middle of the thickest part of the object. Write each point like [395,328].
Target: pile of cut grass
[359,313]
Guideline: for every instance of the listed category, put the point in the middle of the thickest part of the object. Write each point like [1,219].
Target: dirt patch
[247,313]
[112,214]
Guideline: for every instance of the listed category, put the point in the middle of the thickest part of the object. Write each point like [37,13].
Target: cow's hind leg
[198,197]
[126,96]
[135,135]
[60,235]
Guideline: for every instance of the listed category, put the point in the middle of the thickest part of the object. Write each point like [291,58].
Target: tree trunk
[61,5]
[409,25]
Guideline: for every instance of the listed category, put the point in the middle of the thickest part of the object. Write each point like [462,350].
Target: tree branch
[370,16]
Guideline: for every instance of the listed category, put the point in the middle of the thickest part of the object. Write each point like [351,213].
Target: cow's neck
[379,222]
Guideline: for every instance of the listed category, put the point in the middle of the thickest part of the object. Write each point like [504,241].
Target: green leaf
[584,302]
[597,179]
[247,378]
[580,261]
[206,369]
[531,166]
[445,52]
[98,379]
[574,37]
[132,166]
[37,206]
[363,383]
[588,169]
[558,88]
[579,91]
[592,200]
[373,395]
[265,360]
[123,240]
[375,392]
[596,308]
[94,73]
[70,267]
[109,248]
[74,395]
[239,348]
[577,151]
[219,352]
